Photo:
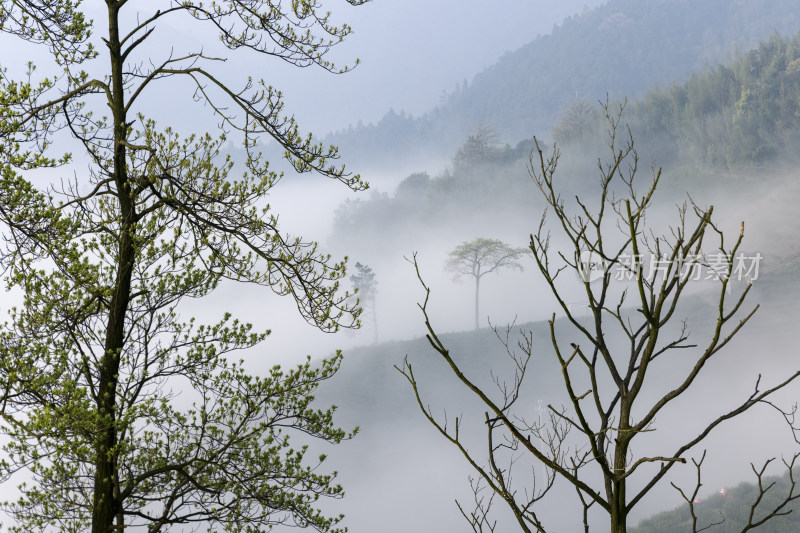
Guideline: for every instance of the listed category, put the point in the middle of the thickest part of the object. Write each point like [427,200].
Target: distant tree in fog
[577,119]
[621,368]
[480,257]
[480,145]
[367,286]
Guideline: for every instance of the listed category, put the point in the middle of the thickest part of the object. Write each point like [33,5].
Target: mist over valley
[551,277]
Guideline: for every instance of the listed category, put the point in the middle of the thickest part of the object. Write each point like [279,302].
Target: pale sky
[410,51]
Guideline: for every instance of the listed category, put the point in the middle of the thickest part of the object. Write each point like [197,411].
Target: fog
[418,475]
[766,347]
[399,474]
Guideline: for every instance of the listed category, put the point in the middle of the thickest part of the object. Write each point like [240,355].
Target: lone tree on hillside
[621,368]
[479,146]
[576,120]
[367,286]
[92,360]
[480,257]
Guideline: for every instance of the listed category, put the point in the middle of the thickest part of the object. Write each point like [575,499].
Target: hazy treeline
[734,505]
[622,48]
[483,188]
[728,118]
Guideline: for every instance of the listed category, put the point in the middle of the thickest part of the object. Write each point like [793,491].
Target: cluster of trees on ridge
[730,117]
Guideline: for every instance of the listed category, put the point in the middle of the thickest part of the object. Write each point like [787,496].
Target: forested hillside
[620,49]
[729,117]
[730,120]
[730,510]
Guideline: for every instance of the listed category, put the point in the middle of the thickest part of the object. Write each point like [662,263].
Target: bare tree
[480,257]
[614,365]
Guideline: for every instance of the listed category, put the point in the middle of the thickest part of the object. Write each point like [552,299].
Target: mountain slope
[620,49]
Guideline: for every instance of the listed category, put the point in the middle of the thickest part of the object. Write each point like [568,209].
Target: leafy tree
[93,361]
[480,257]
[620,367]
[479,147]
[579,118]
[413,188]
[367,289]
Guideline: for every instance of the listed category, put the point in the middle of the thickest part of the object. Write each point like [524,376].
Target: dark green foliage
[729,116]
[734,507]
[621,49]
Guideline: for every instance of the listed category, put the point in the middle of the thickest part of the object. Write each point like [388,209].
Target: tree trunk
[619,515]
[618,519]
[374,324]
[106,505]
[618,498]
[477,292]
